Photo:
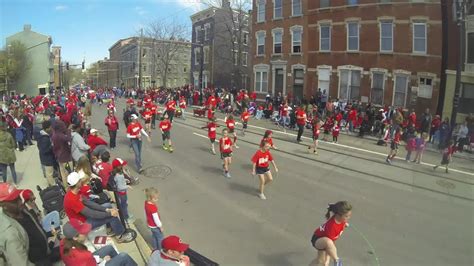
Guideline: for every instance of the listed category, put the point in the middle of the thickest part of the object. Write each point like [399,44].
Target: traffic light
[67,66]
[83,64]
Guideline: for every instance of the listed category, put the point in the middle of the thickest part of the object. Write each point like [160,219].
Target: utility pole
[201,33]
[140,59]
[460,18]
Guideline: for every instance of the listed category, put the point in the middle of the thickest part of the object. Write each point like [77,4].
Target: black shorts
[212,140]
[261,170]
[231,131]
[393,145]
[166,135]
[314,238]
[315,137]
[226,155]
[244,124]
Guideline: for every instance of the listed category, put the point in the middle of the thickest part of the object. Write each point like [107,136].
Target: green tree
[13,62]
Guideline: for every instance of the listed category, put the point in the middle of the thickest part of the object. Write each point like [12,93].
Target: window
[277,9]
[244,58]
[277,40]
[206,31]
[296,7]
[261,81]
[206,54]
[325,38]
[470,48]
[349,84]
[296,39]
[352,36]
[261,11]
[198,35]
[324,3]
[352,2]
[324,75]
[378,82]
[425,88]
[235,58]
[246,38]
[466,103]
[400,92]
[197,56]
[419,38]
[386,36]
[260,43]
[185,70]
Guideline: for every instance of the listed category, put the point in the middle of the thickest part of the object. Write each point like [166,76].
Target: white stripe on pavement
[342,146]
[199,135]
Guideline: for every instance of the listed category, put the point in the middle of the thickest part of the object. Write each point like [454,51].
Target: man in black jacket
[46,151]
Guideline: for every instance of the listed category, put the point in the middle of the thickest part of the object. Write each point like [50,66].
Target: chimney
[27,27]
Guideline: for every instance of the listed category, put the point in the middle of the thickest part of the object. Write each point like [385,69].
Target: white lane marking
[199,135]
[345,146]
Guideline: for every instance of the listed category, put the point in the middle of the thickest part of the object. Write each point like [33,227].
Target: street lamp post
[201,69]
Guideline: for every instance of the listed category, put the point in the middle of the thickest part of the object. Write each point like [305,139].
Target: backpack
[96,186]
[111,184]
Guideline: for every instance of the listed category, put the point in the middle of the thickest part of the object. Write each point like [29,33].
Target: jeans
[285,120]
[51,220]
[114,222]
[113,137]
[123,204]
[408,157]
[3,167]
[157,237]
[137,149]
[300,132]
[182,114]
[122,259]
[259,114]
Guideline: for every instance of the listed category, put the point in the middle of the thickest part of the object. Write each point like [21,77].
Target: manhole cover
[159,171]
[446,184]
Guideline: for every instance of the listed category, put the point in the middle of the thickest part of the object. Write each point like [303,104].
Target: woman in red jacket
[112,124]
[325,236]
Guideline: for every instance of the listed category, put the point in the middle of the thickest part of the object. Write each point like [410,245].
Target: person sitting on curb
[79,147]
[74,252]
[171,254]
[77,207]
[14,242]
[94,140]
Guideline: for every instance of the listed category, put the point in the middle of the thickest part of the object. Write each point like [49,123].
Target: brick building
[387,52]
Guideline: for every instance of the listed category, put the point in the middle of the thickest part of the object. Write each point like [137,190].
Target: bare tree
[165,41]
[234,31]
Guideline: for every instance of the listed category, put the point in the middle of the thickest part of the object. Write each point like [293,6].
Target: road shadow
[211,169]
[201,148]
[276,259]
[243,188]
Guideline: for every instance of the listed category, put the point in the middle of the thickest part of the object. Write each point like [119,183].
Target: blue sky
[88,28]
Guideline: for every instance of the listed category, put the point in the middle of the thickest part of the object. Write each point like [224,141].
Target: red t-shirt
[225,145]
[182,104]
[301,121]
[94,141]
[111,123]
[130,101]
[316,130]
[165,125]
[262,159]
[147,115]
[171,106]
[245,116]
[134,129]
[268,140]
[211,101]
[104,172]
[210,113]
[73,206]
[211,130]
[230,124]
[284,110]
[151,208]
[76,257]
[330,229]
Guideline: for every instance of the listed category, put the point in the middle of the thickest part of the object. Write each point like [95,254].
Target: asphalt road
[403,215]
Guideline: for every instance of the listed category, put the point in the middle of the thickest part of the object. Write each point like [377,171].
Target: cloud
[140,11]
[60,7]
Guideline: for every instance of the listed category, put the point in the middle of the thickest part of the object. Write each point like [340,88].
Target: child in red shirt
[165,127]
[211,132]
[230,122]
[225,147]
[447,155]
[394,145]
[325,236]
[316,126]
[147,116]
[261,163]
[245,116]
[267,137]
[153,217]
[335,132]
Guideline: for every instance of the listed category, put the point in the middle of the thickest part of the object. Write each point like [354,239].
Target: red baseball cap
[174,243]
[8,192]
[118,162]
[26,195]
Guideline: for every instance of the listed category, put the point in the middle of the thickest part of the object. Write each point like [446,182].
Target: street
[403,214]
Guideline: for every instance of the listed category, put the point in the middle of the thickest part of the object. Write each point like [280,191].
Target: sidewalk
[29,173]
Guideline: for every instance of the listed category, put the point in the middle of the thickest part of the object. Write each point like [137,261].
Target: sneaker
[262,196]
[388,161]
[338,262]
[125,238]
[228,175]
[315,152]
[213,152]
[446,170]
[170,149]
[110,233]
[140,170]
[165,148]
[235,146]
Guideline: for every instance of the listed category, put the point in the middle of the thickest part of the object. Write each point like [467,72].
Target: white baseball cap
[73,178]
[134,116]
[93,130]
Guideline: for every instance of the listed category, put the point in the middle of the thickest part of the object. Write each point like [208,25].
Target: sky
[86,29]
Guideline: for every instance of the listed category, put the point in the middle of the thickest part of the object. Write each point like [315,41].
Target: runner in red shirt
[394,145]
[182,106]
[171,109]
[225,147]
[267,137]
[230,122]
[316,126]
[212,101]
[165,127]
[325,236]
[300,121]
[261,162]
[153,108]
[112,124]
[245,116]
[211,132]
[134,133]
[147,116]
